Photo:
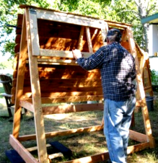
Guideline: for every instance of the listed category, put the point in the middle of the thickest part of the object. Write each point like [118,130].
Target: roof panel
[150,19]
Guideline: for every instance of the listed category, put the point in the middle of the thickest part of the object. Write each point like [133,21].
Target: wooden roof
[108,21]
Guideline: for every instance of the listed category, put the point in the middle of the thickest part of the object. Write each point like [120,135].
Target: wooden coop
[46,72]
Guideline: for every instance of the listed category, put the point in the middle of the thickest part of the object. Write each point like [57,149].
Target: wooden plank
[91,159]
[30,149]
[63,133]
[36,97]
[67,91]
[104,32]
[112,23]
[89,40]
[67,99]
[70,18]
[55,155]
[104,156]
[27,105]
[20,80]
[34,32]
[67,108]
[80,44]
[74,82]
[137,147]
[63,72]
[141,92]
[71,82]
[118,24]
[139,137]
[56,62]
[73,89]
[23,152]
[57,53]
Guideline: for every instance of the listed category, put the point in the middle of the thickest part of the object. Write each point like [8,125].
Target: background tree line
[125,11]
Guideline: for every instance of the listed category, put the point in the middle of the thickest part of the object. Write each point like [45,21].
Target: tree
[8,18]
[126,11]
[146,8]
[132,11]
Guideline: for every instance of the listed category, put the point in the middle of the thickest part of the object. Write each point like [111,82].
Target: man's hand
[77,54]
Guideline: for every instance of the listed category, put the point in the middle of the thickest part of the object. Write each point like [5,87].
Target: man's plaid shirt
[117,68]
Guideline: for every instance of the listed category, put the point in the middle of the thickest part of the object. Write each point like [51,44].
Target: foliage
[2,66]
[8,17]
[154,77]
[126,11]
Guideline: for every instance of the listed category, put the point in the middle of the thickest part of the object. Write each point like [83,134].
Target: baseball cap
[115,34]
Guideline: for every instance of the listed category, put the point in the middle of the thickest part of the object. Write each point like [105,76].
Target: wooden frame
[31,52]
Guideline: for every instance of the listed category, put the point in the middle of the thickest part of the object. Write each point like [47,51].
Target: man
[118,72]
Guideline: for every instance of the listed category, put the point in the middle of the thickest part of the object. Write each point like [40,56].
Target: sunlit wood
[35,87]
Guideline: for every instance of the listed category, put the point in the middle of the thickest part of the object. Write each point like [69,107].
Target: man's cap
[115,33]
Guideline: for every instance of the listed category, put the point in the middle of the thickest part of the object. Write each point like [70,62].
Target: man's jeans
[117,120]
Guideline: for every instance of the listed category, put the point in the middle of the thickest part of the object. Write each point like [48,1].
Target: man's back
[117,71]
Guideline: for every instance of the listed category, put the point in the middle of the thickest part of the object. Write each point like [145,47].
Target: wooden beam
[89,41]
[66,99]
[139,137]
[56,62]
[80,45]
[67,108]
[57,53]
[55,155]
[104,156]
[69,18]
[20,80]
[36,96]
[140,89]
[30,149]
[91,159]
[27,105]
[34,32]
[104,32]
[23,152]
[71,108]
[137,147]
[63,133]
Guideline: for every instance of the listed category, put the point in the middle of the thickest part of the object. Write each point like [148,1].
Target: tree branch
[137,3]
[150,9]
[129,11]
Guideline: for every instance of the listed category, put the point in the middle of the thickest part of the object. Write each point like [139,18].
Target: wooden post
[81,39]
[141,90]
[89,40]
[35,87]
[20,80]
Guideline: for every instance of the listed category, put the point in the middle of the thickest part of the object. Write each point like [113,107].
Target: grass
[81,144]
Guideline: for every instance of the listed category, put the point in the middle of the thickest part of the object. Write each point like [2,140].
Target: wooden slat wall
[58,81]
[60,36]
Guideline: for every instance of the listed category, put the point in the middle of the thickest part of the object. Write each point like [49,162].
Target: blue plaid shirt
[117,68]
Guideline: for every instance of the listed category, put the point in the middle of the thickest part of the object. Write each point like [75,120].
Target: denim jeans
[117,120]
